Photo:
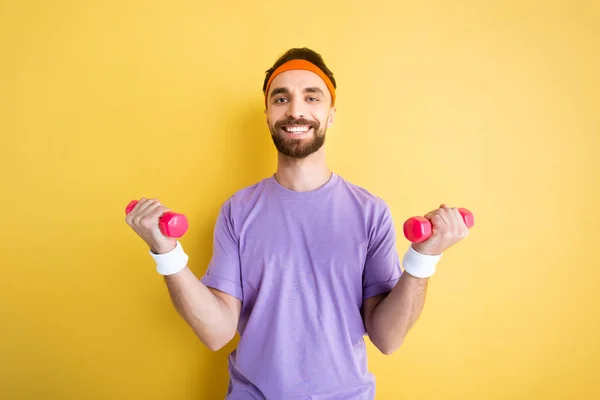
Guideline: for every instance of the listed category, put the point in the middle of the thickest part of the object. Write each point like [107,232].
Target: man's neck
[302,175]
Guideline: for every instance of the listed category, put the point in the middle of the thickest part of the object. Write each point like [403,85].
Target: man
[304,263]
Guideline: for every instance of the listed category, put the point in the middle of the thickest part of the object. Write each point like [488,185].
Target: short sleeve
[382,266]
[224,270]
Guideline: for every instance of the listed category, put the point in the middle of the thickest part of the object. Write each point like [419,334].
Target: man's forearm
[396,314]
[210,317]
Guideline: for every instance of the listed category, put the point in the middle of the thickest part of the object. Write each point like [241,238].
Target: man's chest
[286,246]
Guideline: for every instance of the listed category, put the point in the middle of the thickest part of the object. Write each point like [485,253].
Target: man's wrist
[419,265]
[157,249]
[171,262]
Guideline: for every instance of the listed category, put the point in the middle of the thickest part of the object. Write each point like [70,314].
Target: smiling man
[304,263]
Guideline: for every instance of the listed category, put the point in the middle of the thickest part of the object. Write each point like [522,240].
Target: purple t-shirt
[302,263]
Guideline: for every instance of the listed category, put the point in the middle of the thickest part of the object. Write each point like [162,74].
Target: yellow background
[488,105]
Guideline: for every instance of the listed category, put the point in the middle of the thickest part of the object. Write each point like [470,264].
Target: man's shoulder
[246,196]
[365,197]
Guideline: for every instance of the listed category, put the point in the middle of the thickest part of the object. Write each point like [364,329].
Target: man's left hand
[447,229]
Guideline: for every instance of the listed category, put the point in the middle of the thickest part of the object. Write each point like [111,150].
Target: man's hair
[303,53]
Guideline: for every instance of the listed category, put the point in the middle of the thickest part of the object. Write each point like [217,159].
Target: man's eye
[312,99]
[280,100]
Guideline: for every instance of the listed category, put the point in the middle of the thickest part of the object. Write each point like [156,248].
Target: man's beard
[297,148]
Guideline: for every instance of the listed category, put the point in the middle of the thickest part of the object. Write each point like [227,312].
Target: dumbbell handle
[171,224]
[418,229]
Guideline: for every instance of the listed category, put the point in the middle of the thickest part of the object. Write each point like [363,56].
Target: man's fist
[144,220]
[447,228]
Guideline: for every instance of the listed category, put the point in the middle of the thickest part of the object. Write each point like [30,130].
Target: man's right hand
[143,219]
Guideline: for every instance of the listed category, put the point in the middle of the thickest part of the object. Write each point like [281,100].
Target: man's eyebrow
[314,90]
[279,90]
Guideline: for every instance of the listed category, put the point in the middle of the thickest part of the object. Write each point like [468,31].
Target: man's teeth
[297,129]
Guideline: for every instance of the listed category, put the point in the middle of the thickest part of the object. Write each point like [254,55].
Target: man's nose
[295,110]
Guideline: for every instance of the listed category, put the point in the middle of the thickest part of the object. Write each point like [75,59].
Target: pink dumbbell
[171,224]
[418,229]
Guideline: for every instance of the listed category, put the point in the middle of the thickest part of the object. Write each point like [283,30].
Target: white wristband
[419,265]
[172,262]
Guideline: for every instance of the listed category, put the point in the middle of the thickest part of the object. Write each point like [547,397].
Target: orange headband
[305,65]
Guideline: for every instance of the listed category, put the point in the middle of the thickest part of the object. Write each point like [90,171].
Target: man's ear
[331,116]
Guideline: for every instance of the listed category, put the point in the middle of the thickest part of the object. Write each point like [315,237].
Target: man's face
[298,112]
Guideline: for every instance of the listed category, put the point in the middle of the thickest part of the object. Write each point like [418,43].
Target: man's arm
[212,305]
[212,314]
[389,317]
